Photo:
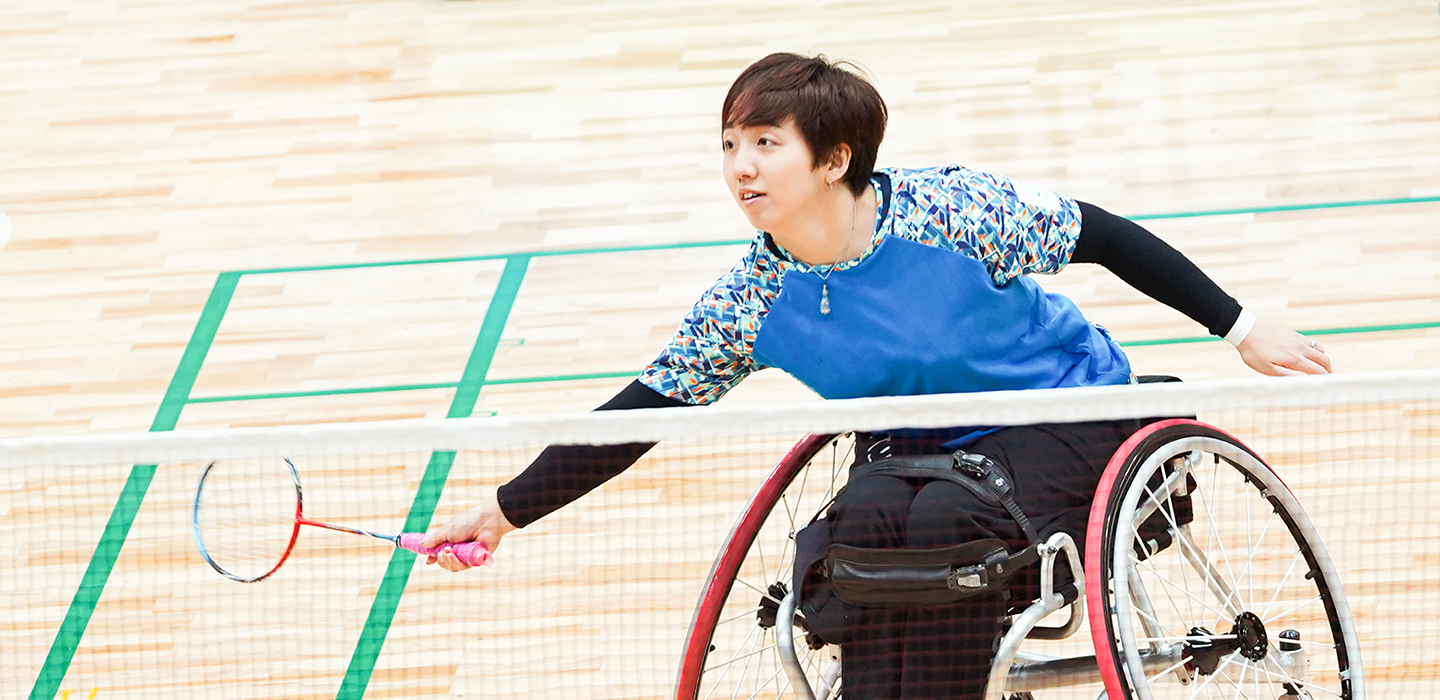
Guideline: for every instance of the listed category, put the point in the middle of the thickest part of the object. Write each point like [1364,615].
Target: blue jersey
[938,303]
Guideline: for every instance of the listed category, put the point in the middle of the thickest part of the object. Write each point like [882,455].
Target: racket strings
[245,516]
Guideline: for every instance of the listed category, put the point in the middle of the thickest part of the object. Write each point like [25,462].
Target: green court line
[503,256]
[406,387]
[631,373]
[743,241]
[1318,331]
[322,392]
[564,377]
[397,573]
[92,584]
[1286,207]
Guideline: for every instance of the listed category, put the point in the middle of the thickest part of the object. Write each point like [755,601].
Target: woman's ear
[838,164]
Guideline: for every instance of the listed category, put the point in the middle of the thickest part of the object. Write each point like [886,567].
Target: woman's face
[768,170]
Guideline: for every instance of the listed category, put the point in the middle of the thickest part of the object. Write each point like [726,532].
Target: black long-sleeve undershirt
[1151,266]
[563,473]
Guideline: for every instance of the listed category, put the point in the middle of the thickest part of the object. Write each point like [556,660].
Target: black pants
[946,651]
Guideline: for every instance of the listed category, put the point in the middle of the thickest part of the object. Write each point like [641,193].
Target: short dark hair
[830,106]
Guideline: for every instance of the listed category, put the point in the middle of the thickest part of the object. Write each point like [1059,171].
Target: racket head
[247,516]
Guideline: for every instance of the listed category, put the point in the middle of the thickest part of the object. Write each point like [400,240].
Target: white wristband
[1241,328]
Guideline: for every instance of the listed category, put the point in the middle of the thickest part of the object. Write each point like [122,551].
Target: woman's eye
[727,145]
[764,141]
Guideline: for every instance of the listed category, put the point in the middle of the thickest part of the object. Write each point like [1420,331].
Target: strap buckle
[970,464]
[968,578]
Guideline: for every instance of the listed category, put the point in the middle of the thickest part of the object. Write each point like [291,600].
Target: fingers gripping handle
[472,553]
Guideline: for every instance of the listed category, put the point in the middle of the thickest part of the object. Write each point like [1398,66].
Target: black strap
[976,472]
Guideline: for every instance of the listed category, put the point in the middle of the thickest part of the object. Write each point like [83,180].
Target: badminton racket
[248,514]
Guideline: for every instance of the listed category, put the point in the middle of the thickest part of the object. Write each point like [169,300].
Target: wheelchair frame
[1169,450]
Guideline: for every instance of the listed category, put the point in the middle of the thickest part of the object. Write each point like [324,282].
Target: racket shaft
[354,531]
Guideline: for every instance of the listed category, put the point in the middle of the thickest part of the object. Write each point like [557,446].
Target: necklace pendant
[824,299]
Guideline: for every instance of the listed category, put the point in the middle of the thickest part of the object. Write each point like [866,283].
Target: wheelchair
[1202,577]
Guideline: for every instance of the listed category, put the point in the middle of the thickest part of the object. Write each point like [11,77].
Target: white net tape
[649,425]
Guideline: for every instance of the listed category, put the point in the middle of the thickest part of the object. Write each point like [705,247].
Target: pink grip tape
[472,553]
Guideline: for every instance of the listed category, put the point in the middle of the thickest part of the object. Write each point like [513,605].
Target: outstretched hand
[484,523]
[1278,351]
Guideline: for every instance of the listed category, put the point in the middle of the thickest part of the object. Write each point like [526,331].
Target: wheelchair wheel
[730,650]
[1207,578]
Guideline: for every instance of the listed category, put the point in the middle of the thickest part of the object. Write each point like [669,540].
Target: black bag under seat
[889,578]
[836,582]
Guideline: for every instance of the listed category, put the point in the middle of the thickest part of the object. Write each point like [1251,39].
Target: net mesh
[595,600]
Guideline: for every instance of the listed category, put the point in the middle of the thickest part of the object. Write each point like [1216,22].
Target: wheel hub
[770,604]
[1250,636]
[768,613]
[1247,636]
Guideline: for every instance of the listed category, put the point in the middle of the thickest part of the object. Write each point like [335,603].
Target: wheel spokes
[1220,572]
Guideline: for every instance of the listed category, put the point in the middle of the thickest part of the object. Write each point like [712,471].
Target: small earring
[832,184]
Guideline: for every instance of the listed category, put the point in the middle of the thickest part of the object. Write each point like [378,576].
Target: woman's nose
[742,164]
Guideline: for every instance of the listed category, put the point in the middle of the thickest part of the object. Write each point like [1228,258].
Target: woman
[899,282]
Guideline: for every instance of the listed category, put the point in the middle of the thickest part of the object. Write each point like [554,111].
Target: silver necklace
[825,278]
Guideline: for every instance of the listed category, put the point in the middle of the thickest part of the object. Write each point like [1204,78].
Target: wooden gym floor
[364,211]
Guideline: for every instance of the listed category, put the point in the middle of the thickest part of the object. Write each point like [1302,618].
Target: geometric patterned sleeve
[711,351]
[1011,227]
